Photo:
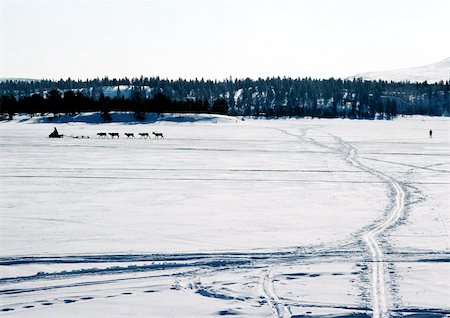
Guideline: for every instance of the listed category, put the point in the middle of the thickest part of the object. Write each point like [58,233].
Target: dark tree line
[328,98]
[71,103]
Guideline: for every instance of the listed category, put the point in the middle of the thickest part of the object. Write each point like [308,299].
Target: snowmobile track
[379,290]
[268,292]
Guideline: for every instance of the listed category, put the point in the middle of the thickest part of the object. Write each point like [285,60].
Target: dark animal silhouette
[431,133]
[102,135]
[157,135]
[114,135]
[144,135]
[129,135]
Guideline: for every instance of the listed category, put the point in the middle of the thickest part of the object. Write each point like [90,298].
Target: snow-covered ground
[250,218]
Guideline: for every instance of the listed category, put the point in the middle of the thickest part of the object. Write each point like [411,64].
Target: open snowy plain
[254,218]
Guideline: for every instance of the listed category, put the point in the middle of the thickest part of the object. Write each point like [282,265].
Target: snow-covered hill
[431,73]
[17,79]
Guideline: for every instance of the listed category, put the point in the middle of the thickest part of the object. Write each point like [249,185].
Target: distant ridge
[432,73]
[17,79]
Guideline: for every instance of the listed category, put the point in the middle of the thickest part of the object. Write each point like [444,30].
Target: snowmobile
[55,134]
[52,135]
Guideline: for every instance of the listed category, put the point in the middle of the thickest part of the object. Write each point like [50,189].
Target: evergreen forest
[270,97]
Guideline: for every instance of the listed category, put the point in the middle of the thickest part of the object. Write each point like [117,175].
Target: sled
[55,136]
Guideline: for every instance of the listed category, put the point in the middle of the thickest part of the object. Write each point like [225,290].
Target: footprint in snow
[228,312]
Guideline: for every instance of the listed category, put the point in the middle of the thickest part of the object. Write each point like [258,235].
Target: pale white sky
[219,38]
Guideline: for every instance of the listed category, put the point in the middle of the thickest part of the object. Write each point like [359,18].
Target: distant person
[431,133]
[55,133]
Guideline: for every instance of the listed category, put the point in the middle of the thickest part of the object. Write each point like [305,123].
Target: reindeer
[114,135]
[129,135]
[157,135]
[102,135]
[144,135]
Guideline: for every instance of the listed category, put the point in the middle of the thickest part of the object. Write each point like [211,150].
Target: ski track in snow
[378,280]
[268,292]
[379,290]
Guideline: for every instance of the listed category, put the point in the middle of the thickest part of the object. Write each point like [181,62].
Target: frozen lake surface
[255,218]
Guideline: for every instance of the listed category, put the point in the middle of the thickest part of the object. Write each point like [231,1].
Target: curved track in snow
[379,290]
[268,292]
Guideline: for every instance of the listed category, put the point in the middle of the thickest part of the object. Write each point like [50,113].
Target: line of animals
[130,135]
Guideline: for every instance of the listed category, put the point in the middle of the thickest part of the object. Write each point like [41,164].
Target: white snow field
[225,217]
